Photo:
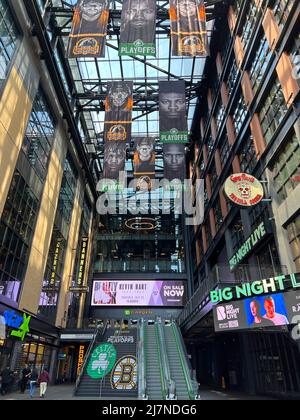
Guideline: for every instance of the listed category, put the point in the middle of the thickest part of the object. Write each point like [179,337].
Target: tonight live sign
[260,287]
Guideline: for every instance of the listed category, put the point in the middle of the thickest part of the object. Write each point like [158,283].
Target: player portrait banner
[114,159]
[188,28]
[138,21]
[174,161]
[172,112]
[144,157]
[89,29]
[118,112]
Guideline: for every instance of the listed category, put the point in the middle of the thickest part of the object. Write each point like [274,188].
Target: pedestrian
[43,381]
[33,381]
[26,372]
[7,379]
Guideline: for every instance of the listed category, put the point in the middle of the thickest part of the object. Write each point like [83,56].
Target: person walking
[26,372]
[7,379]
[43,381]
[33,381]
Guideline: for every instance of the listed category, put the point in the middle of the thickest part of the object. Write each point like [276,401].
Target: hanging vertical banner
[172,112]
[114,159]
[144,157]
[89,29]
[174,162]
[82,261]
[188,28]
[137,35]
[57,253]
[118,112]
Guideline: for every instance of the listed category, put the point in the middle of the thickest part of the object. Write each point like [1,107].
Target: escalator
[154,379]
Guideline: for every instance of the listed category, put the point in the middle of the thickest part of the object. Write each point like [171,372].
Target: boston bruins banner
[144,161]
[87,38]
[188,28]
[174,161]
[118,112]
[138,28]
[172,112]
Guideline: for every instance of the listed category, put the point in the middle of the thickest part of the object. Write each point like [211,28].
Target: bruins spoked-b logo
[124,374]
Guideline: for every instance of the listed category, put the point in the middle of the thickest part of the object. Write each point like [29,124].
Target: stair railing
[170,383]
[142,384]
[183,360]
[86,358]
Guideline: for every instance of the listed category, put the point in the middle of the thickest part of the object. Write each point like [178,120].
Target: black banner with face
[89,29]
[188,28]
[118,112]
[114,159]
[172,112]
[137,36]
[174,161]
[144,156]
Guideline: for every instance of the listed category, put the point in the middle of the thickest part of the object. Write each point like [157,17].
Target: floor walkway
[65,392]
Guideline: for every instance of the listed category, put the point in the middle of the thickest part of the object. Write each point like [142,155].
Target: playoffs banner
[172,112]
[137,35]
[139,293]
[89,29]
[188,28]
[118,112]
[174,162]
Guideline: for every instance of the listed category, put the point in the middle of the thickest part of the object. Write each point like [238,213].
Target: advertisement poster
[144,157]
[188,28]
[118,112]
[114,159]
[174,161]
[137,34]
[275,310]
[138,293]
[89,29]
[172,112]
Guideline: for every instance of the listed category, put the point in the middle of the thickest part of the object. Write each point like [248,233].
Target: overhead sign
[274,310]
[137,33]
[172,112]
[256,288]
[79,289]
[89,29]
[138,293]
[188,28]
[256,238]
[244,190]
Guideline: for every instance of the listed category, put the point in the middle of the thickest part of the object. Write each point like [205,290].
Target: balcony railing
[221,276]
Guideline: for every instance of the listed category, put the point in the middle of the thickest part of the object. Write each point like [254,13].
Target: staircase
[153,372]
[176,370]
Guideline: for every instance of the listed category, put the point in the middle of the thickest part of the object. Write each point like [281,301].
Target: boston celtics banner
[114,159]
[188,28]
[172,112]
[118,112]
[137,36]
[174,161]
[87,38]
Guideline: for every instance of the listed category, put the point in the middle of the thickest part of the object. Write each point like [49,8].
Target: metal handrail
[87,356]
[142,383]
[162,376]
[171,387]
[184,364]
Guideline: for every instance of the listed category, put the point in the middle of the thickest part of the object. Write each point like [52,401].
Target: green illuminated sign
[23,328]
[102,361]
[256,288]
[248,246]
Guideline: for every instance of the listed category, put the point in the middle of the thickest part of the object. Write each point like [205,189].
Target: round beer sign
[244,190]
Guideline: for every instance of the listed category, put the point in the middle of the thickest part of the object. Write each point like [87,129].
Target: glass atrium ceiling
[91,75]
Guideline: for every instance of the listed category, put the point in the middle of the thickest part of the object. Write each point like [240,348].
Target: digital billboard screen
[138,293]
[259,312]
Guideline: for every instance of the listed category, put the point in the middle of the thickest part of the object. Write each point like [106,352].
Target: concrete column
[32,284]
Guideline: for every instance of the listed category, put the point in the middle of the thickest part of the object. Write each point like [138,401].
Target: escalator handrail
[171,392]
[184,364]
[162,376]
[87,356]
[141,358]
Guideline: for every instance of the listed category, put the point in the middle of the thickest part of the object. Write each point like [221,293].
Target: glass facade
[293,230]
[260,62]
[8,38]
